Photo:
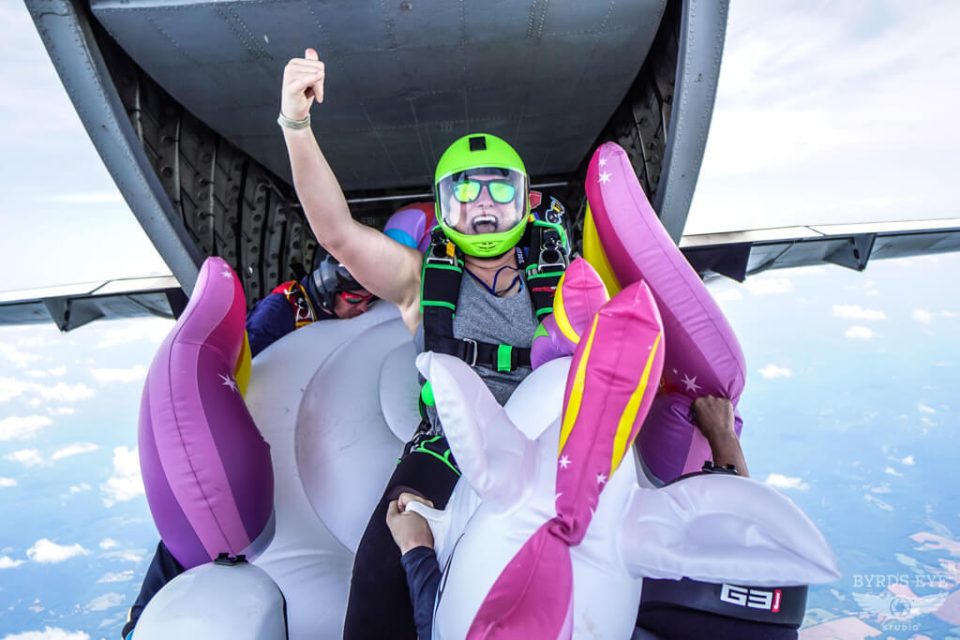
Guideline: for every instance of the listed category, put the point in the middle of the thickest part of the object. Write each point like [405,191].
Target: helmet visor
[483,200]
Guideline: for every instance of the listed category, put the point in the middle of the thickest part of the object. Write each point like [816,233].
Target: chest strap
[440,290]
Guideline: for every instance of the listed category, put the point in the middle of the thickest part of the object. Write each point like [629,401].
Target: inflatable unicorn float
[577,496]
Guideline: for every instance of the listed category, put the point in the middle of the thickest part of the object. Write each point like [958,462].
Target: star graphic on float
[601,479]
[564,462]
[228,381]
[605,177]
[603,162]
[690,383]
[226,273]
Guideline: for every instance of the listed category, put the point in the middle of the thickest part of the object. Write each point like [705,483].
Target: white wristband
[287,123]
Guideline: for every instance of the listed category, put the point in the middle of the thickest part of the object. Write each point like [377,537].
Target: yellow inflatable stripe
[242,371]
[560,315]
[576,391]
[629,415]
[594,254]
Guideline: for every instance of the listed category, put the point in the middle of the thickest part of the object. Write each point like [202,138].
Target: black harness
[547,258]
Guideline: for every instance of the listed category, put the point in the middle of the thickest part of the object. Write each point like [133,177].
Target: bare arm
[386,268]
[714,417]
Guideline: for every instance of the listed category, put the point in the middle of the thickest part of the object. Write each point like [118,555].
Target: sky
[826,112]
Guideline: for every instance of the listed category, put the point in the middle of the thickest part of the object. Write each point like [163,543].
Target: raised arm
[385,268]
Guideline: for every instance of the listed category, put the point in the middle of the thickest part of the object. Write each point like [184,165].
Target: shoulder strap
[549,257]
[439,292]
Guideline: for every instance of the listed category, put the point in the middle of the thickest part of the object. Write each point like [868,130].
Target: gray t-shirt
[489,318]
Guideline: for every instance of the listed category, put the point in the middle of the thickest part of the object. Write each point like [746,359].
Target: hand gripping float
[551,535]
[703,356]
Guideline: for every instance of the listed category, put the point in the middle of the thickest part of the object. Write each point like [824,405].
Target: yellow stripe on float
[576,391]
[629,415]
[560,315]
[594,254]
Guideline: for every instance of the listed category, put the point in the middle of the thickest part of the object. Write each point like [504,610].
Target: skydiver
[681,609]
[474,267]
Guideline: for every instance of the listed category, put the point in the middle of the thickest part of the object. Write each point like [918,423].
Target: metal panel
[702,33]
[403,78]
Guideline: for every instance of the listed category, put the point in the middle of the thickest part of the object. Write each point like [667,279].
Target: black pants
[379,605]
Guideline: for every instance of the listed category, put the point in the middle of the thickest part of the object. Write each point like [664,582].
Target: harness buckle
[433,258]
[471,352]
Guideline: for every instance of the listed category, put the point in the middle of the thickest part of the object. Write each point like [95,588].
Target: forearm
[423,579]
[318,189]
[725,449]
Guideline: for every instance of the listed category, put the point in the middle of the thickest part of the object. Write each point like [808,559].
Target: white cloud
[76,449]
[780,481]
[126,555]
[48,633]
[6,562]
[104,602]
[152,330]
[772,371]
[109,543]
[22,427]
[133,374]
[36,607]
[60,392]
[877,502]
[893,472]
[922,408]
[125,483]
[767,286]
[7,482]
[11,388]
[922,316]
[811,94]
[856,312]
[26,457]
[950,314]
[15,356]
[90,197]
[61,411]
[46,551]
[858,332]
[908,461]
[122,576]
[56,372]
[75,489]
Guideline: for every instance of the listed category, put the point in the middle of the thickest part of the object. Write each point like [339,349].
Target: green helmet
[483,169]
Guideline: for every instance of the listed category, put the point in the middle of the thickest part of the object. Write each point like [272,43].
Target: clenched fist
[302,84]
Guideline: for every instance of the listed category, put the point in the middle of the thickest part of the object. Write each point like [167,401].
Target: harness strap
[499,357]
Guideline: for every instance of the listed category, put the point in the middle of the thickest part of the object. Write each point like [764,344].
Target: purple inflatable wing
[411,225]
[703,356]
[206,469]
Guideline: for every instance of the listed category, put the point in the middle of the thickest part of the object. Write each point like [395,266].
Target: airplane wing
[72,306]
[738,254]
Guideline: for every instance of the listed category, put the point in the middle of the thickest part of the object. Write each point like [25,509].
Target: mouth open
[485,224]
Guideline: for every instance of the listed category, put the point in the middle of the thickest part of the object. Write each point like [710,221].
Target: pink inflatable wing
[612,382]
[703,355]
[580,294]
[411,225]
[206,469]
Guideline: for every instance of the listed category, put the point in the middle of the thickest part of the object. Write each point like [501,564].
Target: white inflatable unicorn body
[554,525]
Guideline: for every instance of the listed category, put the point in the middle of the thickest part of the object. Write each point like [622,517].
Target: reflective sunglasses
[501,191]
[355,298]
